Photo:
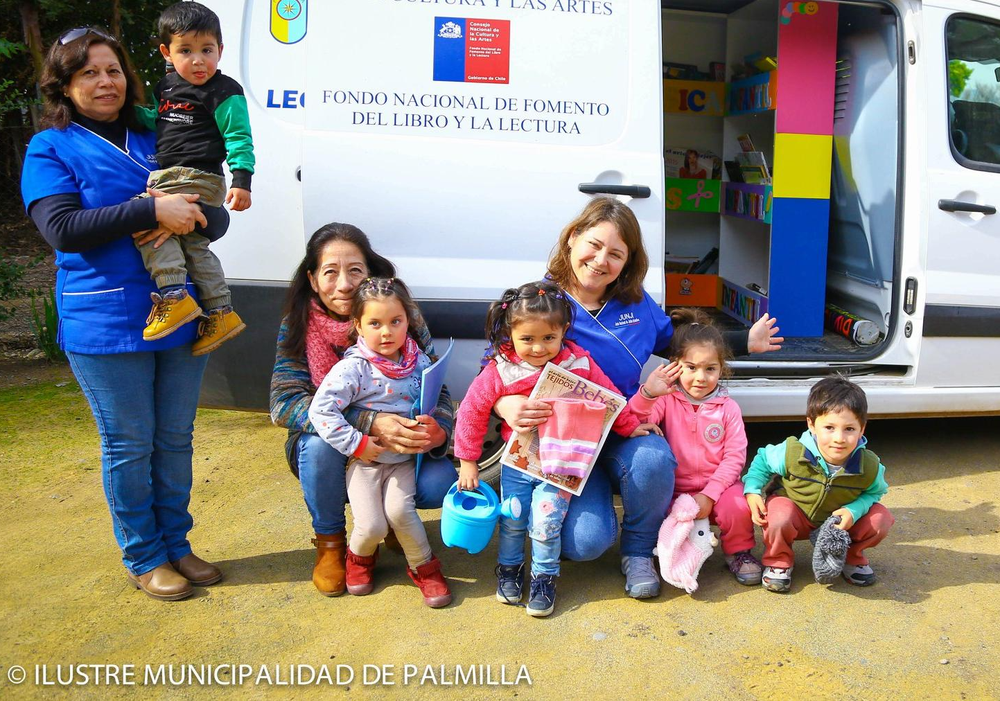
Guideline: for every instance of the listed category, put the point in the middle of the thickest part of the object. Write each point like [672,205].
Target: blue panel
[797,292]
[449,49]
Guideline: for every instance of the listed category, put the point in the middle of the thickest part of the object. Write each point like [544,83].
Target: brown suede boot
[329,574]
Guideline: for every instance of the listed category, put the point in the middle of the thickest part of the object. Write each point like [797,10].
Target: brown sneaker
[163,583]
[217,328]
[360,571]
[169,313]
[197,571]
[432,583]
[330,571]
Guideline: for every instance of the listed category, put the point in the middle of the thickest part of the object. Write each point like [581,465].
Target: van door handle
[959,206]
[637,191]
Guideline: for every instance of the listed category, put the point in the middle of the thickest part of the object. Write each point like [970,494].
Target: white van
[461,135]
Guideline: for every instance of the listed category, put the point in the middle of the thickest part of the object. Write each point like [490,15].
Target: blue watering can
[469,518]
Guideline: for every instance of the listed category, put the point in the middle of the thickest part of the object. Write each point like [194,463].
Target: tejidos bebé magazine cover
[564,450]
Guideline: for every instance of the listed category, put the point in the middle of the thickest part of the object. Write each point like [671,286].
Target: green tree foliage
[133,20]
[958,76]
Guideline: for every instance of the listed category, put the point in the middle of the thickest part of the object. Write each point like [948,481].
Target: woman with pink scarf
[312,338]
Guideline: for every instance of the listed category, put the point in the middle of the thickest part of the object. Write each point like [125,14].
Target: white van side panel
[264,242]
[962,256]
[465,185]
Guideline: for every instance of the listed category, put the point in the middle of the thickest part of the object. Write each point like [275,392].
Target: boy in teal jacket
[828,471]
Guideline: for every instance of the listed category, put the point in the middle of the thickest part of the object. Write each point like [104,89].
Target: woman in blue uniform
[600,261]
[79,178]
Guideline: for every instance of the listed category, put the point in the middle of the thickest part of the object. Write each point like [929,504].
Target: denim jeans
[641,470]
[543,509]
[323,474]
[144,405]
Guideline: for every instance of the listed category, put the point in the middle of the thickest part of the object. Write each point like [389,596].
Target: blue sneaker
[510,583]
[641,579]
[542,598]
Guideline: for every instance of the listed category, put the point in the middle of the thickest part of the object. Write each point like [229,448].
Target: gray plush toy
[830,546]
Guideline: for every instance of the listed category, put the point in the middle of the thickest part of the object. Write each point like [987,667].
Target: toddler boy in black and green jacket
[201,119]
[828,471]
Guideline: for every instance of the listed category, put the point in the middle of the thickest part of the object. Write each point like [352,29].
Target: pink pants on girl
[732,515]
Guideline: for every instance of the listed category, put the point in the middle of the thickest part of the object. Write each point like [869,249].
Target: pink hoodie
[709,441]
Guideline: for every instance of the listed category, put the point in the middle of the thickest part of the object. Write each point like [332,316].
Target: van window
[974,91]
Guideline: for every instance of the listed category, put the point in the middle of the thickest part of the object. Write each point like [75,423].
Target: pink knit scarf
[390,368]
[326,338]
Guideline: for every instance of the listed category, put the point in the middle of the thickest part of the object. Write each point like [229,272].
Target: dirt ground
[928,629]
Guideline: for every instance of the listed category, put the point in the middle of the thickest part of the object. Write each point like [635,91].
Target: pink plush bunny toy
[683,545]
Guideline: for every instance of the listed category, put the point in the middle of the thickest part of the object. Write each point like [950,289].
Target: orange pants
[786,523]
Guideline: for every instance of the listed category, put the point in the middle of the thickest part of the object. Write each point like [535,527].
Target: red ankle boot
[431,582]
[359,573]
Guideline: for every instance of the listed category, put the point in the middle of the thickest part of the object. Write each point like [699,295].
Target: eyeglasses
[78,32]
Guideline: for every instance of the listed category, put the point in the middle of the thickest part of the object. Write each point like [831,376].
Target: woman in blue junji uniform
[79,178]
[600,262]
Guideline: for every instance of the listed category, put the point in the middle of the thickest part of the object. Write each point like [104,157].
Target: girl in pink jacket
[704,427]
[526,329]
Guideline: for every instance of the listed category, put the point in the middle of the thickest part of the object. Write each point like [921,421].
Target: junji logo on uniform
[626,319]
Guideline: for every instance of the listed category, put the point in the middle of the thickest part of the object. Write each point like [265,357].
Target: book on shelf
[691,163]
[754,175]
[746,143]
[733,171]
[679,264]
[753,167]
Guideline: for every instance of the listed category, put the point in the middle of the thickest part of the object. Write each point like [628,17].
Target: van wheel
[489,462]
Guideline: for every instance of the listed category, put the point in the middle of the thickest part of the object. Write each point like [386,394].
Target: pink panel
[807,57]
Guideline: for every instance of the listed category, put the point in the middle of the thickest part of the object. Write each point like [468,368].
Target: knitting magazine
[563,450]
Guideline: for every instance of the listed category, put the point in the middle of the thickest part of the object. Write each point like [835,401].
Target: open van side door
[961,326]
[458,136]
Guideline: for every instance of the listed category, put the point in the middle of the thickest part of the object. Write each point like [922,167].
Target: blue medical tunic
[102,294]
[621,337]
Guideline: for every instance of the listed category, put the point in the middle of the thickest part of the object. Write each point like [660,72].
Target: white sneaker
[859,575]
[777,579]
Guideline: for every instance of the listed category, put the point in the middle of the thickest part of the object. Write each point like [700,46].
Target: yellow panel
[802,165]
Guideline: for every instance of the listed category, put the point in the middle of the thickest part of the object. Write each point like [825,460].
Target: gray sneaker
[641,579]
[745,567]
[859,575]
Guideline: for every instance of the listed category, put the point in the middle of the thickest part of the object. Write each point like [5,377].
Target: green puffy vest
[817,494]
